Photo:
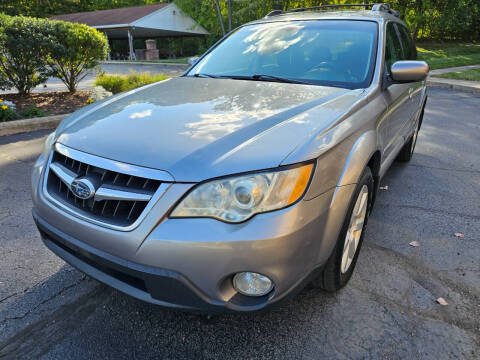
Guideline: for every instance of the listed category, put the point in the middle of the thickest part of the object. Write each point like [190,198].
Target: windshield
[325,52]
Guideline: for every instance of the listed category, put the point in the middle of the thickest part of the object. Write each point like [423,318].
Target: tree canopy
[428,19]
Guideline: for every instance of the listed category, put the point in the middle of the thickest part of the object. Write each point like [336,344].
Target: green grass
[443,55]
[472,75]
[119,83]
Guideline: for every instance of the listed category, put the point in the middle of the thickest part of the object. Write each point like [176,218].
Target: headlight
[238,198]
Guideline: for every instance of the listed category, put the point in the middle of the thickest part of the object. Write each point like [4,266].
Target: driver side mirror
[409,71]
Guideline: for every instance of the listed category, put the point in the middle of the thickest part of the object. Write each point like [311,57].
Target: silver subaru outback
[233,186]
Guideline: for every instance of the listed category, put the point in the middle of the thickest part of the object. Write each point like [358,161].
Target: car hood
[198,128]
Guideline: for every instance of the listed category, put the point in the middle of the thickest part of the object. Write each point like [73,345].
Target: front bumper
[189,263]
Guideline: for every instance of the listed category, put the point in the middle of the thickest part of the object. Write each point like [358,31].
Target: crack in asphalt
[429,279]
[58,293]
[23,291]
[37,338]
[436,211]
[445,169]
[437,274]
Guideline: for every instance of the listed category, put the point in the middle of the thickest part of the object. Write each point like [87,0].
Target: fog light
[252,284]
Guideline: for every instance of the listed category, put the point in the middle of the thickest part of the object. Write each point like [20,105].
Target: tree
[23,53]
[75,49]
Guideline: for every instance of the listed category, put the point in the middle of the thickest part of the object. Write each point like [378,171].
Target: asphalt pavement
[48,310]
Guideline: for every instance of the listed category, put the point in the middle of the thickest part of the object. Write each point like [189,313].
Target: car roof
[368,15]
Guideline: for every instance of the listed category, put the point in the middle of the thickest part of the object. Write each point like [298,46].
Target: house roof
[101,18]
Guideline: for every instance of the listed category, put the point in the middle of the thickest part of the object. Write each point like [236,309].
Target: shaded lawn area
[443,55]
[51,103]
[472,75]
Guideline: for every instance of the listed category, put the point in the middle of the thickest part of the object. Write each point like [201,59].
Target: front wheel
[340,265]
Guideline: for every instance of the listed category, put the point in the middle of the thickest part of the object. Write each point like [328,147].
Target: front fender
[359,156]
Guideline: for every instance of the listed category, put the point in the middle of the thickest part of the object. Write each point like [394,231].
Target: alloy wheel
[355,228]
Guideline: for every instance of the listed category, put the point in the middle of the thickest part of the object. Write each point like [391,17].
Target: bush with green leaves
[33,112]
[119,83]
[32,49]
[76,49]
[24,47]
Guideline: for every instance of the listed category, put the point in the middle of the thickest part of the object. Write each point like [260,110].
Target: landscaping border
[25,125]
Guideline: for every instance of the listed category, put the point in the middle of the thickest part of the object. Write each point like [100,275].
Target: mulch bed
[51,103]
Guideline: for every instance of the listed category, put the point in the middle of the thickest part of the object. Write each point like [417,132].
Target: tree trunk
[229,15]
[219,13]
[71,82]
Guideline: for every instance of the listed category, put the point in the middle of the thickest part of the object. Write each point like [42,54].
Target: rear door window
[409,51]
[393,48]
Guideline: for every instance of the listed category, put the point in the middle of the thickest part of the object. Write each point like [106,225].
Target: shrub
[33,112]
[76,49]
[112,83]
[31,50]
[23,52]
[7,112]
[119,83]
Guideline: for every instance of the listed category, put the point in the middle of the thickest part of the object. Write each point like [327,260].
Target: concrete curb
[25,125]
[144,63]
[453,69]
[460,85]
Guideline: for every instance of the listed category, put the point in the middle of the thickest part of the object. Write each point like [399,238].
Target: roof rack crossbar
[374,7]
[320,7]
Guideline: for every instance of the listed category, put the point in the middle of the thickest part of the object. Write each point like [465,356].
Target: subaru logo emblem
[82,188]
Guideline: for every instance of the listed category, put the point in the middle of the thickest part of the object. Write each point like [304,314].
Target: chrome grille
[119,200]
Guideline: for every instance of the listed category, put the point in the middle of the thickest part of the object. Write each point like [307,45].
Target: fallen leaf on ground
[383,187]
[414,244]
[442,301]
[459,235]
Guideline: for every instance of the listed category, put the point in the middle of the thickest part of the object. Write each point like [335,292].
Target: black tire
[332,278]
[405,155]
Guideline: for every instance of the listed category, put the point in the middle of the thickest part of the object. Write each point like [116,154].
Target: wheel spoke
[355,228]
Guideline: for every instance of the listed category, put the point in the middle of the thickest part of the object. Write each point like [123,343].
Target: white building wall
[171,18]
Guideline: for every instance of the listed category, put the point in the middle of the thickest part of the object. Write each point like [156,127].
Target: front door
[397,96]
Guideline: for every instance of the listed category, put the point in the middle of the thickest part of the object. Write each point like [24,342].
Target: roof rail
[375,7]
[385,7]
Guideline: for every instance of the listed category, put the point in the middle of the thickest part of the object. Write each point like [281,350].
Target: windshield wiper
[257,77]
[264,77]
[203,75]
[278,79]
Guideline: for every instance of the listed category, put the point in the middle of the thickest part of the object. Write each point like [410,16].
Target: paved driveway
[49,310]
